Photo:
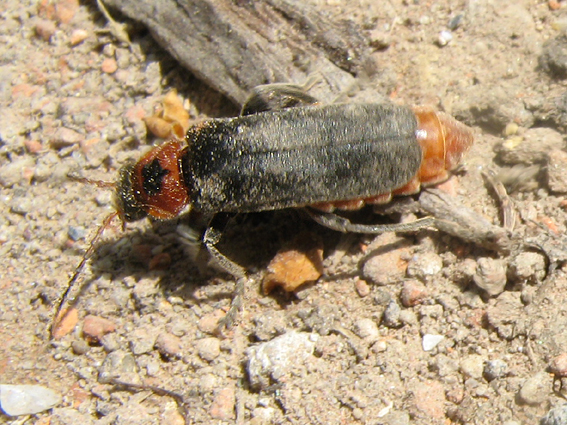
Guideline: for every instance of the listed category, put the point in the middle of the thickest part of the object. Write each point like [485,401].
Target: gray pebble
[118,365]
[391,316]
[76,232]
[495,369]
[80,346]
[556,416]
[21,205]
[554,57]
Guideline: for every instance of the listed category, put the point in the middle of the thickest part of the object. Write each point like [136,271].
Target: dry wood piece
[234,46]
[464,223]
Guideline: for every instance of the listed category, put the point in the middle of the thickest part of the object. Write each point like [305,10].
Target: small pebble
[80,347]
[444,38]
[455,22]
[168,345]
[472,366]
[366,329]
[528,267]
[391,316]
[429,341]
[413,293]
[222,407]
[45,29]
[18,400]
[109,66]
[78,36]
[536,389]
[495,369]
[270,362]
[76,233]
[558,365]
[557,171]
[65,137]
[425,265]
[94,328]
[208,348]
[21,205]
[362,288]
[118,364]
[141,341]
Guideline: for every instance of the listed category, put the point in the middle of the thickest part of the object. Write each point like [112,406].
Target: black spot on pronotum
[153,175]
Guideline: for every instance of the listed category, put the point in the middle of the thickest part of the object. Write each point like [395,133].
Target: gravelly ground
[351,345]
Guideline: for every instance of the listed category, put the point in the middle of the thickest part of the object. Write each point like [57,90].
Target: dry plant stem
[179,399]
[507,209]
[464,223]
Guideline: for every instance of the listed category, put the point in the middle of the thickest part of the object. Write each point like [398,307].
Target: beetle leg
[211,237]
[274,97]
[341,224]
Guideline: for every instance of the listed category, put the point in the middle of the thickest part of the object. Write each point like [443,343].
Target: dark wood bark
[235,45]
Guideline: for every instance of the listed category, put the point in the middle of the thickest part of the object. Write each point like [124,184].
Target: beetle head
[154,185]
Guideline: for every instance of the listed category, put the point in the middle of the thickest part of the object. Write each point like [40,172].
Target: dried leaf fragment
[298,263]
[171,119]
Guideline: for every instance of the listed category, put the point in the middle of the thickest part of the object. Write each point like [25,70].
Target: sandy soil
[347,349]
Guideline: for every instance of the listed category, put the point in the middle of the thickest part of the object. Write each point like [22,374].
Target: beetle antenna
[98,183]
[60,312]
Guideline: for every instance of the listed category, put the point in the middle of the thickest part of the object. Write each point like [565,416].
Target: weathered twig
[234,46]
[464,223]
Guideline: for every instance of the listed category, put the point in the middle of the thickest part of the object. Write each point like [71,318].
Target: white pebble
[444,38]
[429,341]
[17,400]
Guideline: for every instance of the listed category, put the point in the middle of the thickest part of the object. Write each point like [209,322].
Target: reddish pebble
[362,288]
[65,10]
[558,365]
[45,29]
[168,345]
[223,404]
[33,146]
[64,323]
[109,65]
[413,293]
[554,5]
[208,323]
[94,328]
[160,262]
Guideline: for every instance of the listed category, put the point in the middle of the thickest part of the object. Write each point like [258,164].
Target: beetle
[287,150]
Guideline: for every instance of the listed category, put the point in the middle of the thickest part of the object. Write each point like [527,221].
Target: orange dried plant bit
[300,262]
